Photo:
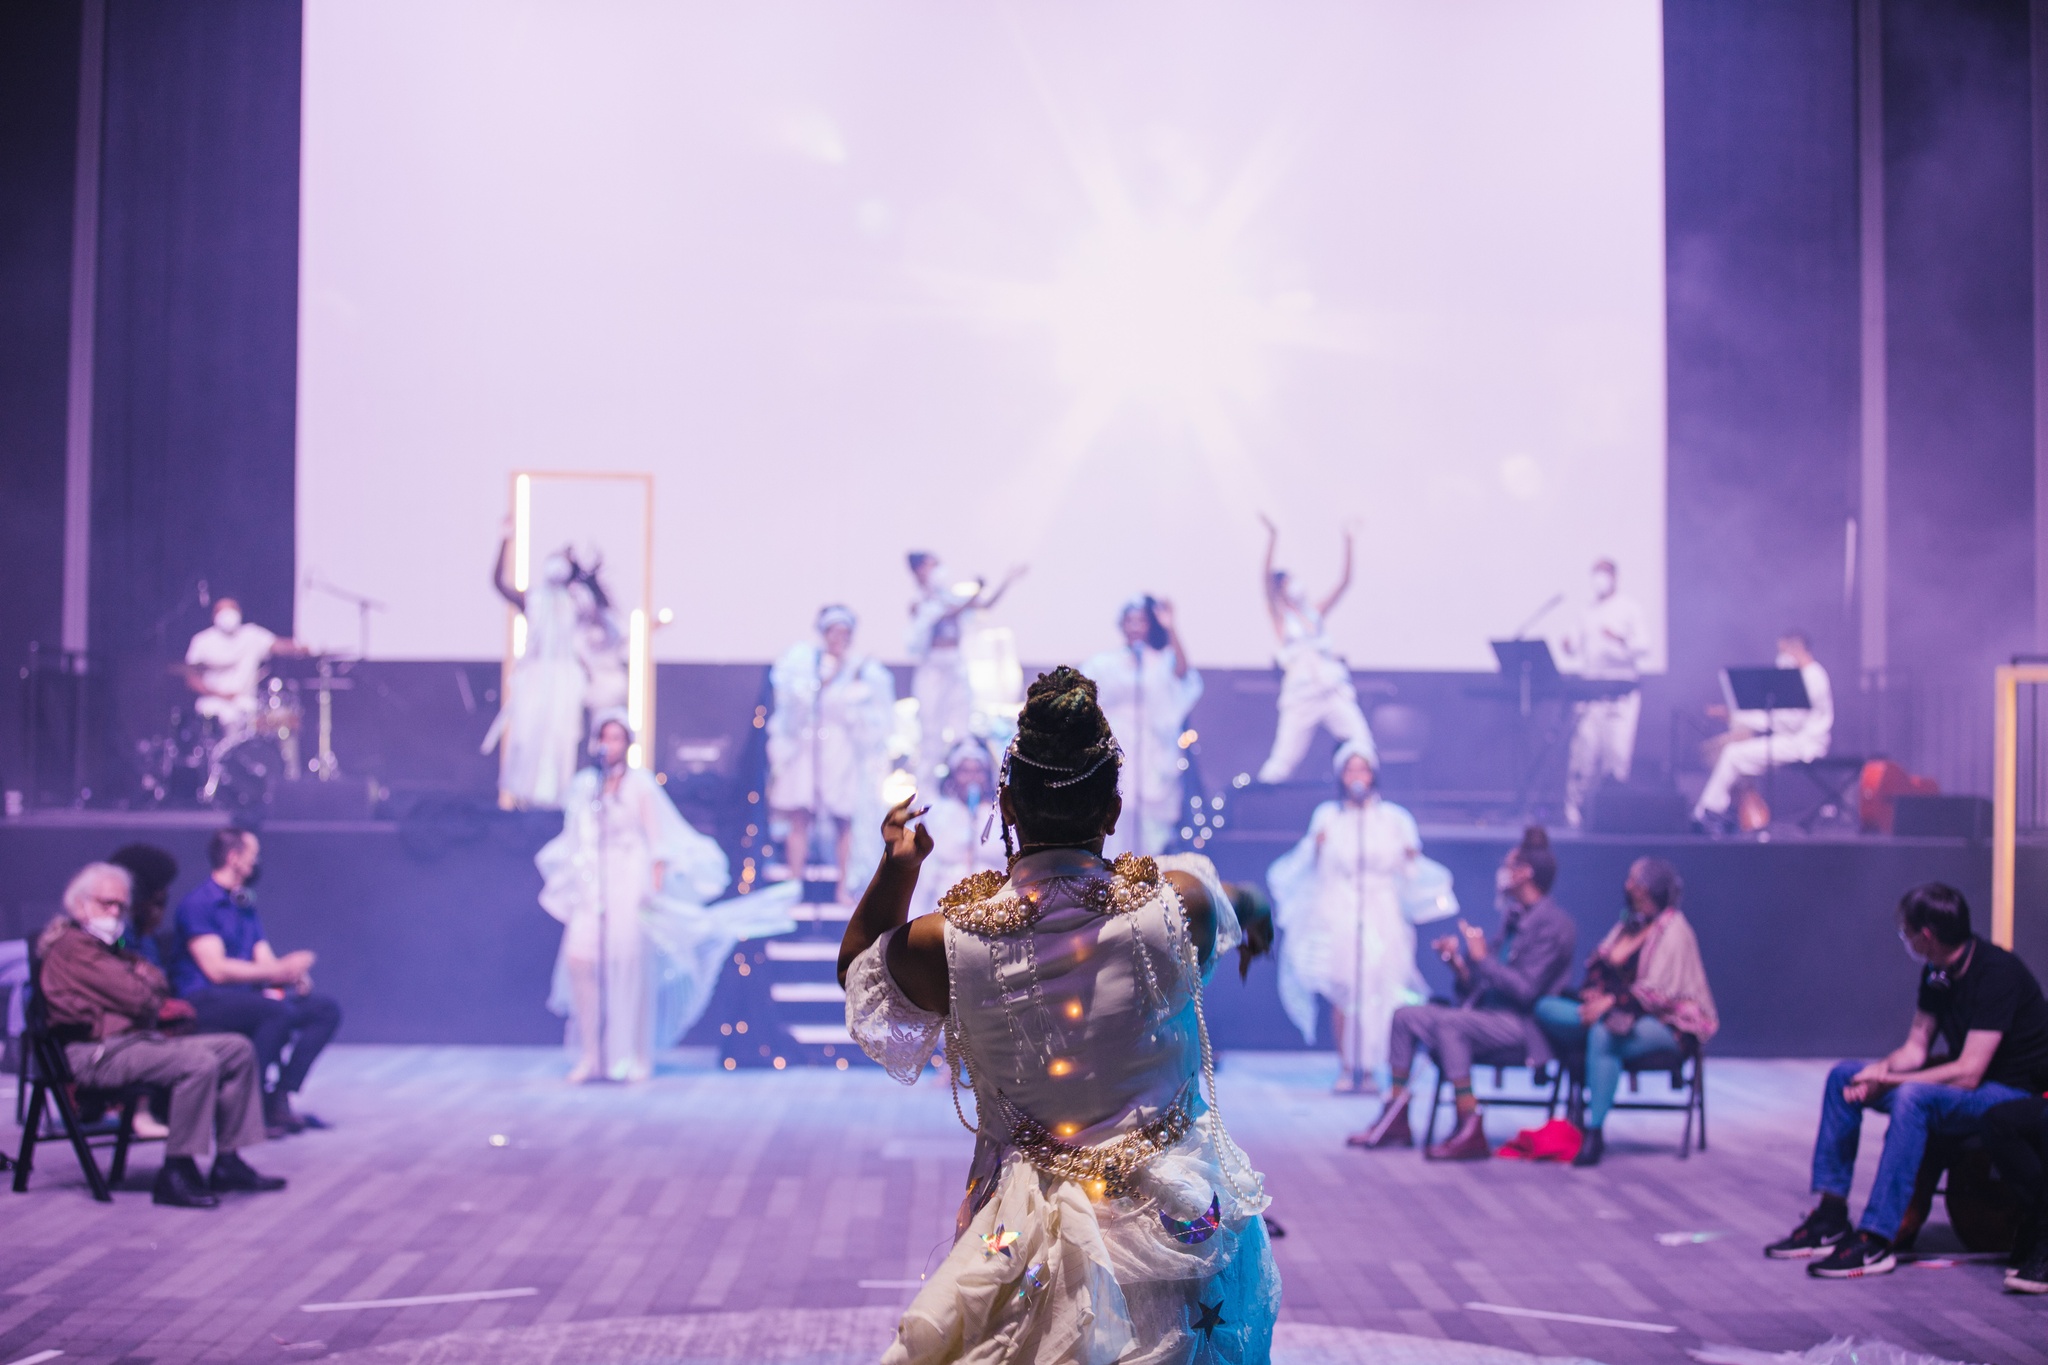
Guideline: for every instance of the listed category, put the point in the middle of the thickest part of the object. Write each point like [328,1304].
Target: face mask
[1603,584]
[1358,791]
[106,930]
[228,619]
[1786,660]
[255,876]
[1503,878]
[1632,917]
[973,795]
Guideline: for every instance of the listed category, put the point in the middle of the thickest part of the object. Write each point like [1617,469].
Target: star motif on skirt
[1211,1319]
[997,1241]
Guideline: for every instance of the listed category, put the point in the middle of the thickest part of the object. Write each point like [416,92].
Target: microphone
[1541,612]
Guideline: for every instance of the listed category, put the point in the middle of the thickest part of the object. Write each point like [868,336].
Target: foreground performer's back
[1108,1217]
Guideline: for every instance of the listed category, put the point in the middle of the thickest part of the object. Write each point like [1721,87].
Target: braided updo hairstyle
[1062,727]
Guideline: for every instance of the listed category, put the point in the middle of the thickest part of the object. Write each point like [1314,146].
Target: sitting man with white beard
[115,1015]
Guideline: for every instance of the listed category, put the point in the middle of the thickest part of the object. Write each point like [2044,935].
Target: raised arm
[917,957]
[1343,579]
[501,577]
[986,599]
[1163,613]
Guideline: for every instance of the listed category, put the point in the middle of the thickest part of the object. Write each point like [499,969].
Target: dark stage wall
[440,939]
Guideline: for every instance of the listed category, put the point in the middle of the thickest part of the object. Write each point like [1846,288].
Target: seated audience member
[1497,995]
[1645,993]
[113,1009]
[237,984]
[2016,1135]
[151,870]
[1986,1008]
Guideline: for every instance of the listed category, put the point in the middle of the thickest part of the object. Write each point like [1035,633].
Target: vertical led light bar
[636,686]
[522,553]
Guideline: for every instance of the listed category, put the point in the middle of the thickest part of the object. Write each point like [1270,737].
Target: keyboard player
[1609,645]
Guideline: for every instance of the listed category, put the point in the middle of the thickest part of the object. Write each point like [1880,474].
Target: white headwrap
[836,615]
[1355,748]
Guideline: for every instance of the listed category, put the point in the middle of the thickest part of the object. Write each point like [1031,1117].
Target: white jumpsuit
[659,953]
[1147,707]
[1795,737]
[1315,690]
[1079,1025]
[828,737]
[1609,645]
[1343,935]
[941,684]
[540,721]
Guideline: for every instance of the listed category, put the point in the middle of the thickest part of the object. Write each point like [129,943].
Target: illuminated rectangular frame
[2005,775]
[639,662]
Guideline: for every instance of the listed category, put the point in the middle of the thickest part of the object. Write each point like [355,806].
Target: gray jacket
[1533,959]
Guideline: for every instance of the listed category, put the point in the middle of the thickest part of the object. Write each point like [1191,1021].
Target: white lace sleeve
[891,1030]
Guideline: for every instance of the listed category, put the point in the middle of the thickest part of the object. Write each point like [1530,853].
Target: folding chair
[48,1073]
[1500,1098]
[1687,1068]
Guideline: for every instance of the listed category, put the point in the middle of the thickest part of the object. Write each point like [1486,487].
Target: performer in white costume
[641,951]
[941,619]
[540,719]
[828,739]
[958,822]
[1147,689]
[1108,1215]
[1759,740]
[1609,644]
[1343,934]
[1315,682]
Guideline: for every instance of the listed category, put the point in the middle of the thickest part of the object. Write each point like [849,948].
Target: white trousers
[1742,758]
[1603,746]
[945,709]
[1334,709]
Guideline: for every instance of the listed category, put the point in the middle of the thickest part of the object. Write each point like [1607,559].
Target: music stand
[1769,690]
[1528,661]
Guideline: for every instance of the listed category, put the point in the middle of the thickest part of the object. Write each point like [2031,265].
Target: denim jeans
[1605,1050]
[1917,1112]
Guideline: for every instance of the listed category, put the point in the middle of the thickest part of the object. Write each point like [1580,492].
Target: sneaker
[1859,1254]
[2031,1275]
[1826,1225]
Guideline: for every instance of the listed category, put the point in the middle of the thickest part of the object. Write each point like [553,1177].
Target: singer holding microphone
[1146,689]
[1608,644]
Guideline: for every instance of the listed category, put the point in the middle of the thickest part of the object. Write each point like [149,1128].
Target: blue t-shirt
[210,908]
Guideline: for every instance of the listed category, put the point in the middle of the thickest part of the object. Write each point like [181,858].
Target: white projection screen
[1081,284]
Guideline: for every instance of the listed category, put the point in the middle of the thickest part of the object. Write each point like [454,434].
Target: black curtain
[197,355]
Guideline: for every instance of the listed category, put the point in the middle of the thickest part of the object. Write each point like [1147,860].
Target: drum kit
[234,763]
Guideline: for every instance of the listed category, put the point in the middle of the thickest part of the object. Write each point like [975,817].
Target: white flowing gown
[1075,1009]
[1147,707]
[659,953]
[1343,934]
[540,722]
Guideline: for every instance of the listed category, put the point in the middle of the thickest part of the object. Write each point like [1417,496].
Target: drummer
[223,661]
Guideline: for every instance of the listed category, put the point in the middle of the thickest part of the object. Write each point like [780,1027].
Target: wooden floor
[701,1209]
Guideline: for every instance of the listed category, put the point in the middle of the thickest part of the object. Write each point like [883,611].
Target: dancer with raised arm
[828,741]
[1315,682]
[1147,689]
[1108,1215]
[941,620]
[1344,936]
[540,720]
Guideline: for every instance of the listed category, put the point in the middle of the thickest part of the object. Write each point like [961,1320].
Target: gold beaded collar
[985,904]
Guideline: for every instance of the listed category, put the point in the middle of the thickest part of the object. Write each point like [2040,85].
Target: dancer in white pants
[1760,740]
[1609,644]
[1315,682]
